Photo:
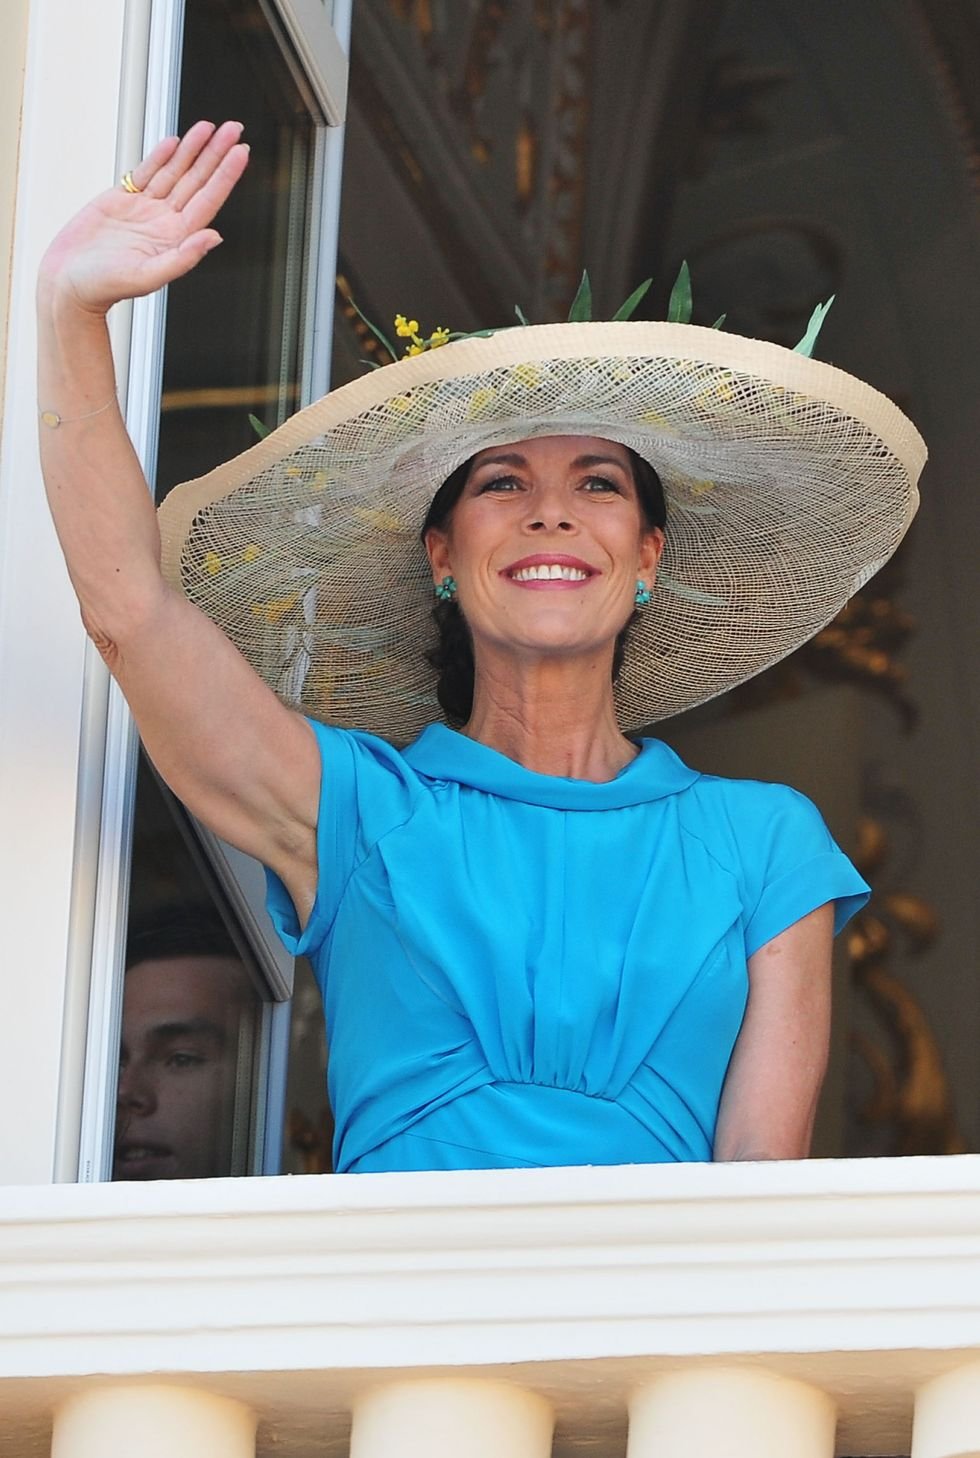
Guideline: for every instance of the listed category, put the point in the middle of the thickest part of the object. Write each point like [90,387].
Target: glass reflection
[188,1017]
[192,1012]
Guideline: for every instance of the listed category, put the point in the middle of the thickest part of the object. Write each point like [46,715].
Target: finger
[205,203]
[206,165]
[156,159]
[155,273]
[185,154]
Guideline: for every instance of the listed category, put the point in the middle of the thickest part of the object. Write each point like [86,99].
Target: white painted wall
[67,152]
[13,46]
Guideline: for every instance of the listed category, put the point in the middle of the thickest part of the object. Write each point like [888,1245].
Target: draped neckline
[441,753]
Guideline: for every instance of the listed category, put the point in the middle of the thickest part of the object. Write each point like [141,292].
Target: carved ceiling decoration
[473,125]
[733,102]
[951,41]
[910,1101]
[488,106]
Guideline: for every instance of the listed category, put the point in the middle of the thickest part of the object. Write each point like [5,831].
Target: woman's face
[546,543]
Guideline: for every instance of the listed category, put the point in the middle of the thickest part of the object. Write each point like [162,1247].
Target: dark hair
[186,930]
[452,656]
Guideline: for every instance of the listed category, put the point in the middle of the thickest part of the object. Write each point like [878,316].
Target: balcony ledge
[862,1276]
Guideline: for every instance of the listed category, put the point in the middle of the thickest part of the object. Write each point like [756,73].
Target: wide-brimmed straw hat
[788,484]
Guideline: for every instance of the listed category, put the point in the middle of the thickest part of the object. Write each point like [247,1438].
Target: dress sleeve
[366,788]
[792,866]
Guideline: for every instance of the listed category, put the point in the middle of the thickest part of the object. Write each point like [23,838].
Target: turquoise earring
[446,589]
[642,596]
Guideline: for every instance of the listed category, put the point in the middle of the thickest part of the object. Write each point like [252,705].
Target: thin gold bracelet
[52,419]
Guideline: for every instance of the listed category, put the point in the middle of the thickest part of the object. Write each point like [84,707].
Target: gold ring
[128,184]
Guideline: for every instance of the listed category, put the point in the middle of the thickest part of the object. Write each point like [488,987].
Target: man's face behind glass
[177,1066]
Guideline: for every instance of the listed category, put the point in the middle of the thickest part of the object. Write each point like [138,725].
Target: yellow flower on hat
[527,374]
[438,337]
[480,400]
[212,563]
[273,611]
[379,519]
[252,551]
[417,348]
[406,328]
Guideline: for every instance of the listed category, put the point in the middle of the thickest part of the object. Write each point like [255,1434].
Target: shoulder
[362,752]
[776,843]
[746,816]
[363,779]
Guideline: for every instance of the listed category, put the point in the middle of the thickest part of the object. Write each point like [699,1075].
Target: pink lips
[550,559]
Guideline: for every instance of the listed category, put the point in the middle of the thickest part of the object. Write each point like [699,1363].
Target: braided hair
[452,656]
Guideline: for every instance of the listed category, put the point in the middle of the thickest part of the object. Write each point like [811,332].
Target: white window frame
[100,83]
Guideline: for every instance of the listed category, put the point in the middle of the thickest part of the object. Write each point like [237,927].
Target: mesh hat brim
[788,483]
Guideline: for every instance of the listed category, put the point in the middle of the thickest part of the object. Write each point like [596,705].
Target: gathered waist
[504,1125]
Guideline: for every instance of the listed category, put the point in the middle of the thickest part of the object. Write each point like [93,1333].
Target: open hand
[124,245]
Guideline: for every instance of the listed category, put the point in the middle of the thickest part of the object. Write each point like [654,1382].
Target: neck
[553,716]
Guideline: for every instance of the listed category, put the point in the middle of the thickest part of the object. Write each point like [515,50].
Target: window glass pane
[308,1134]
[195,1013]
[192,1012]
[234,340]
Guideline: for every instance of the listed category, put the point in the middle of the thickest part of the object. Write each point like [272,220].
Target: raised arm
[242,762]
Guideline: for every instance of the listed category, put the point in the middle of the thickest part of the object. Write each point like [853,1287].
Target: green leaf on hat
[680,305]
[809,339]
[719,321]
[521,316]
[376,332]
[257,425]
[581,310]
[627,309]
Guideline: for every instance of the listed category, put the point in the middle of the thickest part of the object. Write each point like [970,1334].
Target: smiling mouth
[145,1159]
[557,568]
[549,573]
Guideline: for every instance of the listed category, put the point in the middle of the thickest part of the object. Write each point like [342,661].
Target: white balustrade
[721,1309]
[947,1415]
[743,1412]
[155,1421]
[451,1417]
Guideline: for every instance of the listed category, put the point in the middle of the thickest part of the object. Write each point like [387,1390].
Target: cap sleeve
[366,789]
[792,865]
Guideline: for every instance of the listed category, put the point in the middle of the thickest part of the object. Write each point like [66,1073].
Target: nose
[549,512]
[136,1093]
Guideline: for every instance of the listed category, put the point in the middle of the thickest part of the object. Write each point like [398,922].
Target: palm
[124,245]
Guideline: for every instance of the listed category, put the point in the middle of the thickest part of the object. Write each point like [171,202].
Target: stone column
[947,1415]
[451,1417]
[153,1421]
[743,1412]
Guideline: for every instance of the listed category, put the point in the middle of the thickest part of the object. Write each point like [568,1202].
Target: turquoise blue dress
[521,969]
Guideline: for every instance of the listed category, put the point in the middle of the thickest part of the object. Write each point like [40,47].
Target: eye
[499,483]
[597,485]
[185,1060]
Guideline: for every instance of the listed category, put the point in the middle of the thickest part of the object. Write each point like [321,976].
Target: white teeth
[550,572]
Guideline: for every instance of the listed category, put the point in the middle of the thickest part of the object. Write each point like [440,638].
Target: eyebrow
[514,458]
[191,1028]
